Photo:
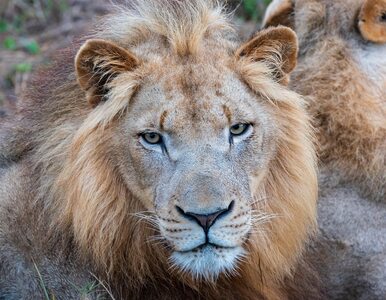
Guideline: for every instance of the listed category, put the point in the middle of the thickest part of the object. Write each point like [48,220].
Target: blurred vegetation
[22,22]
[32,30]
[21,19]
[253,10]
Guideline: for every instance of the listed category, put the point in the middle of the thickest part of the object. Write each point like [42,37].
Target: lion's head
[192,159]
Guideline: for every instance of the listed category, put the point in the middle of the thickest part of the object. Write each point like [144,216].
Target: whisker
[156,240]
[262,218]
[258,200]
[148,217]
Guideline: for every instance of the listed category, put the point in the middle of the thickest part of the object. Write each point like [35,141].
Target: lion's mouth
[203,246]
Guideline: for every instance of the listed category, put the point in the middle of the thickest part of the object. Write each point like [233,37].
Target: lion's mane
[87,203]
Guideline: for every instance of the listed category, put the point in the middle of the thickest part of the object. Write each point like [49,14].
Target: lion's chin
[209,261]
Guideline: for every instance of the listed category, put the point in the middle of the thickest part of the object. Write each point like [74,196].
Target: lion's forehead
[190,96]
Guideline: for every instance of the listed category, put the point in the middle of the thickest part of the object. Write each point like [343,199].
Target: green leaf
[250,8]
[23,67]
[32,47]
[3,26]
[9,43]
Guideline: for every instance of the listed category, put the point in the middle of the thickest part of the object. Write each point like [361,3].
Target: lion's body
[342,72]
[70,198]
[345,78]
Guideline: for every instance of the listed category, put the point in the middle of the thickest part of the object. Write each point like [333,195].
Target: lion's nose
[205,220]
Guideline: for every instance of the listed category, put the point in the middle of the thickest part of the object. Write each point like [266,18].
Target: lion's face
[199,141]
[207,145]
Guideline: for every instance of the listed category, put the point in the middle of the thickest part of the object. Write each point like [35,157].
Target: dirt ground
[32,30]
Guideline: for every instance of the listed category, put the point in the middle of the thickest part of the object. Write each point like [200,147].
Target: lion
[170,161]
[342,73]
[342,70]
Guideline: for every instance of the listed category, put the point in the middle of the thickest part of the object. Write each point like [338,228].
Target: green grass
[23,67]
[9,43]
[84,291]
[87,289]
[42,284]
[3,26]
[32,47]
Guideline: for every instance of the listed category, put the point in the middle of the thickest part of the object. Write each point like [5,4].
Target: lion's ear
[372,21]
[279,12]
[97,63]
[277,47]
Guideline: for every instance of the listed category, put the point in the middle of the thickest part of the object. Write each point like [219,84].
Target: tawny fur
[344,78]
[67,208]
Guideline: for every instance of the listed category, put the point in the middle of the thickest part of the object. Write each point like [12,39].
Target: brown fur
[260,46]
[279,12]
[92,59]
[83,206]
[346,91]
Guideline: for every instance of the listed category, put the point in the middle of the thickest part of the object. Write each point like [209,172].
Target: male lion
[170,163]
[342,71]
[342,67]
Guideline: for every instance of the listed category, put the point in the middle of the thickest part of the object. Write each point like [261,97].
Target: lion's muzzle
[206,220]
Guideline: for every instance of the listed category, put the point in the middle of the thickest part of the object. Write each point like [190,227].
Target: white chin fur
[208,262]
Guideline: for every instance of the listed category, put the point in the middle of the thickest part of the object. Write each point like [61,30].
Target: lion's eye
[239,129]
[151,138]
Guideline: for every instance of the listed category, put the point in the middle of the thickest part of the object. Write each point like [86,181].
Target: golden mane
[88,202]
[94,203]
[291,179]
[182,25]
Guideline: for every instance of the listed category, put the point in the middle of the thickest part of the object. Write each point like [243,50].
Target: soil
[47,30]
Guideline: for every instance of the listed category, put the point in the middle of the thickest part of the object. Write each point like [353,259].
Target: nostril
[180,211]
[230,206]
[205,220]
